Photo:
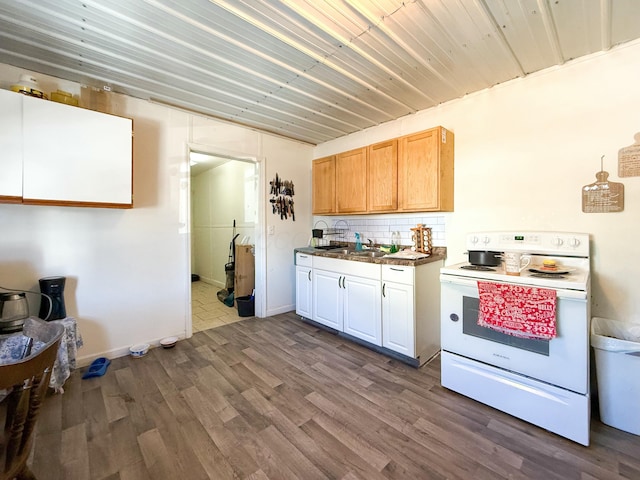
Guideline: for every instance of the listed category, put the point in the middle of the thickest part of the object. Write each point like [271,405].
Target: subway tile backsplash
[379,230]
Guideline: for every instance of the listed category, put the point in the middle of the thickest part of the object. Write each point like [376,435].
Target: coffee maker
[52,301]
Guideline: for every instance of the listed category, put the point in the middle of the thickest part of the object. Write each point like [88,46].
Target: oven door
[562,361]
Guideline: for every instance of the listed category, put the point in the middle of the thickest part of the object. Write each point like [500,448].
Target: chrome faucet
[370,242]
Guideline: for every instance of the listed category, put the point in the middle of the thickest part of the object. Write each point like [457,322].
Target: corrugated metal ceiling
[311,70]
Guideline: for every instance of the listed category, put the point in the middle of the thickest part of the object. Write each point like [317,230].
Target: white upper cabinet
[10,146]
[75,156]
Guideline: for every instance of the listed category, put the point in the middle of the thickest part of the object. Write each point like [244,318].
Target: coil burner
[478,268]
[554,276]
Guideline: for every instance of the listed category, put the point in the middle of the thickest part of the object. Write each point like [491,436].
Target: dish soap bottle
[395,241]
[358,242]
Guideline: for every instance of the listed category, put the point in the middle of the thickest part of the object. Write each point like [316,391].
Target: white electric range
[545,382]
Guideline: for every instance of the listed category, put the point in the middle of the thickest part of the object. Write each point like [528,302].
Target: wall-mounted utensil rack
[281,193]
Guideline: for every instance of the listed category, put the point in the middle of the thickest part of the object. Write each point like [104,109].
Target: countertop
[438,254]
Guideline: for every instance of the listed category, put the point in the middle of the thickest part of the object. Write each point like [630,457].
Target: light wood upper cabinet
[324,185]
[425,171]
[413,173]
[351,181]
[382,176]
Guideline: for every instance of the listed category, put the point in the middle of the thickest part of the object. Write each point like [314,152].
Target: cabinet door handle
[309,275]
[397,269]
[383,287]
[343,279]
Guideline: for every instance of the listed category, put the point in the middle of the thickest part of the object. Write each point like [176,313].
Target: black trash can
[246,306]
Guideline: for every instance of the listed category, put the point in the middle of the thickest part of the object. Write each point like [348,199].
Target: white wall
[128,270]
[525,149]
[291,162]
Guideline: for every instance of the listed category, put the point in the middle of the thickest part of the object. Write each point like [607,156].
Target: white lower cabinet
[411,310]
[361,309]
[303,285]
[390,306]
[327,298]
[303,291]
[346,297]
[398,313]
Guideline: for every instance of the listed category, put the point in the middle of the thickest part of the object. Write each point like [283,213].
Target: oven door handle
[468,282]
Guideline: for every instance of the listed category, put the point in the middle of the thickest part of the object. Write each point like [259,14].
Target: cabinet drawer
[398,274]
[348,267]
[303,259]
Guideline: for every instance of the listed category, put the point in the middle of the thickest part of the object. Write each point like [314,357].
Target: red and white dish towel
[526,312]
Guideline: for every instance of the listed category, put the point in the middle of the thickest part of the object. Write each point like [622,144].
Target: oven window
[470,308]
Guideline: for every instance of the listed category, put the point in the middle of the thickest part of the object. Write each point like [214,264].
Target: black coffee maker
[53,288]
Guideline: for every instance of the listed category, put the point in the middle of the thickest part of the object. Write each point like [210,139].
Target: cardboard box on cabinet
[95,99]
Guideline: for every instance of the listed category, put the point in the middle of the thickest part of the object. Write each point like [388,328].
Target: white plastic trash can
[618,372]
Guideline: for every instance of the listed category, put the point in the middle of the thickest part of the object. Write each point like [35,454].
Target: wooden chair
[27,381]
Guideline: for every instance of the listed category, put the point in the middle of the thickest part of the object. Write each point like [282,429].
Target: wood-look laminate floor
[279,399]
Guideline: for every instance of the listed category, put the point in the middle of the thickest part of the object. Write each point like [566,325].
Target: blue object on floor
[97,368]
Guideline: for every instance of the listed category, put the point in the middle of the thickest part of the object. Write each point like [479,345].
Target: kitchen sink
[369,253]
[362,253]
[341,251]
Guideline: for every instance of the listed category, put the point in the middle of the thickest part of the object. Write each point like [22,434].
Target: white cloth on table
[12,347]
[70,342]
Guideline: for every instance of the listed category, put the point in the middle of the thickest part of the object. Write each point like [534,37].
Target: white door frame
[260,233]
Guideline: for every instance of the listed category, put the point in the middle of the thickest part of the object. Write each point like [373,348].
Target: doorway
[224,190]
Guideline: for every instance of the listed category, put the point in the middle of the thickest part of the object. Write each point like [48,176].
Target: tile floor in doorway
[207,311]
